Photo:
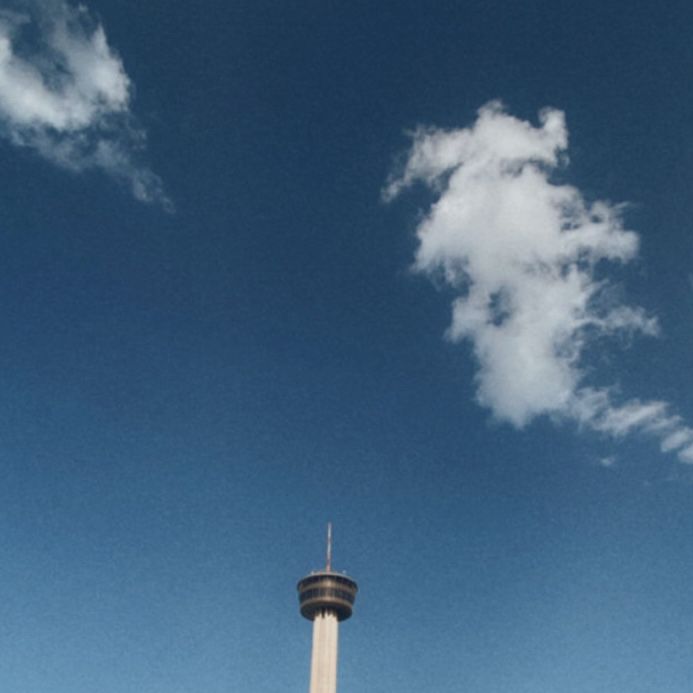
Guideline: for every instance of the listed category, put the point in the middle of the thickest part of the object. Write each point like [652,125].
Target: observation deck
[326,590]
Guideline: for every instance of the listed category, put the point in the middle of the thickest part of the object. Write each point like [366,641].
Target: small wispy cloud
[521,253]
[608,462]
[65,94]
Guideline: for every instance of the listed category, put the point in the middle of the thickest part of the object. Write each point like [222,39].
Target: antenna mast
[328,565]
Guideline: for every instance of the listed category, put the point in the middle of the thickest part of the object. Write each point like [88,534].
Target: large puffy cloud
[521,252]
[64,93]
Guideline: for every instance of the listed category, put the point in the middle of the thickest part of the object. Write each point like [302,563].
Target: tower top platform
[327,590]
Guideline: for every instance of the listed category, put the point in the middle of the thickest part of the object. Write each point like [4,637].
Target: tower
[326,598]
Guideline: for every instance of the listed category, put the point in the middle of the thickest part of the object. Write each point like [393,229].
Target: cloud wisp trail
[65,94]
[520,251]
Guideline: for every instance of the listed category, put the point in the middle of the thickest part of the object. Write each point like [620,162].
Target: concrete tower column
[326,598]
[323,663]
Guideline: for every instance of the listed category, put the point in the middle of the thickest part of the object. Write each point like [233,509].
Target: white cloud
[686,454]
[64,93]
[608,462]
[678,438]
[521,251]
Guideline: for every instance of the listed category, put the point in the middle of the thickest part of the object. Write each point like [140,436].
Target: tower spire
[328,562]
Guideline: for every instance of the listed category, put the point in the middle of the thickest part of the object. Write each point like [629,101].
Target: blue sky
[219,331]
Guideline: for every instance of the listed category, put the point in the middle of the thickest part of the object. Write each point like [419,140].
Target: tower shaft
[323,664]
